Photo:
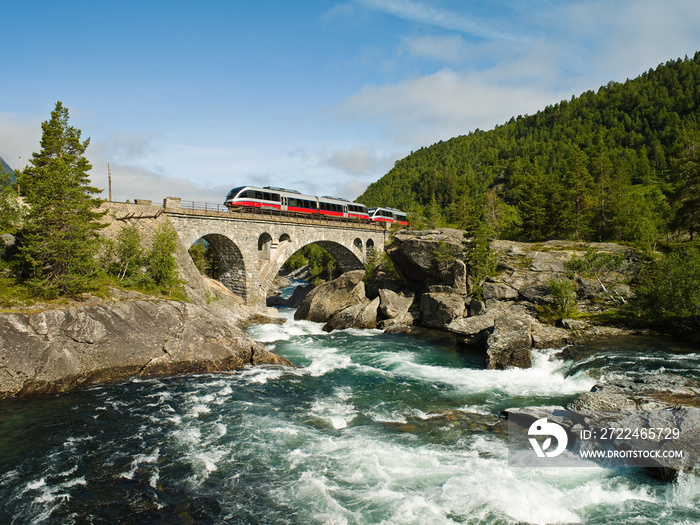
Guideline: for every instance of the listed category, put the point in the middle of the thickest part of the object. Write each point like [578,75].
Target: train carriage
[379,214]
[292,201]
[271,198]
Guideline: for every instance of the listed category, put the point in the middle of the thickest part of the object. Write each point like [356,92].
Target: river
[358,434]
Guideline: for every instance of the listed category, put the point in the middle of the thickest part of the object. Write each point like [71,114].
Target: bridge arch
[230,263]
[348,259]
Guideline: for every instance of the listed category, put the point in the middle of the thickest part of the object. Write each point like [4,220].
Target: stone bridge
[252,247]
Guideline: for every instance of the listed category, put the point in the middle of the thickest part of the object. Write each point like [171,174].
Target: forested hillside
[620,164]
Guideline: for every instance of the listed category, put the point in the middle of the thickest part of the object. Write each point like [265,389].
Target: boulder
[432,257]
[510,343]
[547,336]
[384,281]
[659,392]
[663,401]
[330,297]
[276,300]
[499,291]
[477,307]
[299,294]
[394,305]
[440,309]
[473,329]
[361,315]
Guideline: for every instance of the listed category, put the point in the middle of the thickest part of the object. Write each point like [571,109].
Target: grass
[15,296]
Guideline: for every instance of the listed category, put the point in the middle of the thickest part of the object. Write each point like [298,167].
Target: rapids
[354,435]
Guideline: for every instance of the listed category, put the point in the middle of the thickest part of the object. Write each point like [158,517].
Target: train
[292,201]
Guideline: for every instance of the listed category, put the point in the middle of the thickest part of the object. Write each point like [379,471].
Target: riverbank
[51,350]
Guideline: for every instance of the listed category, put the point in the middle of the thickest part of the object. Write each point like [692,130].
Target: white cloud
[443,105]
[561,50]
[450,49]
[429,14]
[358,160]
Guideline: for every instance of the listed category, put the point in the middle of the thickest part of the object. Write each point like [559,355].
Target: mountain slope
[609,165]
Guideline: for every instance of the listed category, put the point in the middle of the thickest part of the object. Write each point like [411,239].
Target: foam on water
[546,377]
[350,436]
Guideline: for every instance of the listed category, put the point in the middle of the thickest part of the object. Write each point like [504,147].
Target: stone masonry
[252,247]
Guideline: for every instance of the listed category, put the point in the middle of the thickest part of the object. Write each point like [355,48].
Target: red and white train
[292,201]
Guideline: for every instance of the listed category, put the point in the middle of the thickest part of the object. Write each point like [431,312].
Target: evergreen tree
[686,197]
[532,205]
[59,241]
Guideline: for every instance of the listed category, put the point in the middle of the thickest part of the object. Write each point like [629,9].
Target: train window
[258,195]
[266,196]
[291,202]
[274,197]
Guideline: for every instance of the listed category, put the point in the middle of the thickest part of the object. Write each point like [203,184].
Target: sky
[190,99]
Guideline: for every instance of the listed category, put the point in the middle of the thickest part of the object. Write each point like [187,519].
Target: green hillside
[620,164]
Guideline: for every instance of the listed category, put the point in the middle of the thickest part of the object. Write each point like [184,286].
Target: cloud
[134,182]
[442,105]
[429,14]
[559,50]
[358,160]
[450,49]
[351,189]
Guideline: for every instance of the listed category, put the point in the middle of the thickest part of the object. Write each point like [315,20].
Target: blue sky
[189,99]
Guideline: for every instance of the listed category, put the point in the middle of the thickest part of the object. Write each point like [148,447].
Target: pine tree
[59,241]
[686,197]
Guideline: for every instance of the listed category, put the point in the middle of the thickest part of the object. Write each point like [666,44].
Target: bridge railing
[202,206]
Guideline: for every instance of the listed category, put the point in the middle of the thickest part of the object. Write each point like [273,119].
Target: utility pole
[109,178]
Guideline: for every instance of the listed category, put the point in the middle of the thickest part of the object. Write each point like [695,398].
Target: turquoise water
[357,434]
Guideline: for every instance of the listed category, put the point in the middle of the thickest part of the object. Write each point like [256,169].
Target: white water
[351,436]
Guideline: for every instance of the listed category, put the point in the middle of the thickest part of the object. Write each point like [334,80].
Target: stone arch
[370,245]
[264,245]
[346,258]
[285,237]
[230,265]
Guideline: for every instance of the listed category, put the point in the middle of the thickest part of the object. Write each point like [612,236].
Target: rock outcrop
[665,401]
[428,285]
[58,350]
[328,298]
[429,258]
[509,344]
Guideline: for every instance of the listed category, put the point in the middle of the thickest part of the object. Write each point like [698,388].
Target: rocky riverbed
[427,285]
